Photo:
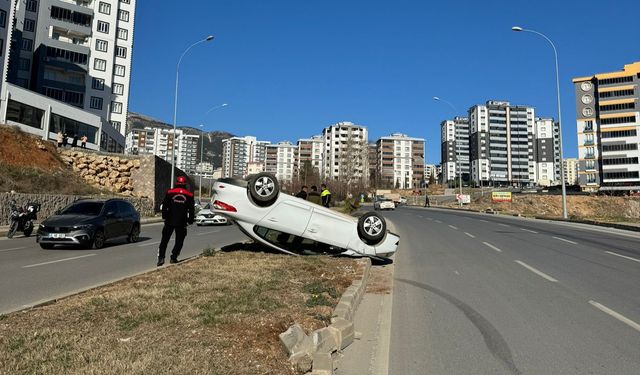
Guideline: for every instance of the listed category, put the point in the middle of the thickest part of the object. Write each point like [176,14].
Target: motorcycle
[22,218]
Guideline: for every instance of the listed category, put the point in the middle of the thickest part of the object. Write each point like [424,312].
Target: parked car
[207,217]
[384,204]
[90,223]
[297,226]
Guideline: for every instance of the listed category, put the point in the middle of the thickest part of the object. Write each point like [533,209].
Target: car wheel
[28,232]
[135,234]
[99,239]
[372,228]
[46,246]
[264,188]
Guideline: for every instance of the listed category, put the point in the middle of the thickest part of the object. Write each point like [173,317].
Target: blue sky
[290,68]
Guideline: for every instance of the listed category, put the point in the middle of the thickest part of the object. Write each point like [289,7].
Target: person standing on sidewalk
[178,211]
[426,201]
[83,141]
[302,193]
[325,196]
[314,196]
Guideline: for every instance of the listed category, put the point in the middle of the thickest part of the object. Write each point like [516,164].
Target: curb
[315,351]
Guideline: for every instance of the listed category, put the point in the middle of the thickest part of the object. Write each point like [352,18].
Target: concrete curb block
[321,344]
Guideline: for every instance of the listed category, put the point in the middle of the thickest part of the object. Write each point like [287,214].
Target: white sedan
[296,226]
[207,217]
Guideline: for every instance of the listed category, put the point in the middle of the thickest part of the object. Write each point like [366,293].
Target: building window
[116,107]
[617,120]
[104,8]
[116,125]
[27,44]
[121,52]
[3,18]
[103,27]
[124,1]
[58,123]
[119,70]
[74,57]
[102,45]
[32,5]
[96,103]
[67,15]
[123,34]
[118,89]
[24,64]
[29,25]
[123,15]
[100,64]
[98,84]
[24,114]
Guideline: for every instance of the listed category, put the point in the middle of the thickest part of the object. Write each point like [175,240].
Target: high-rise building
[501,144]
[374,177]
[454,138]
[401,161]
[431,170]
[159,141]
[547,151]
[346,153]
[608,123]
[237,152]
[310,155]
[187,155]
[281,160]
[571,171]
[69,62]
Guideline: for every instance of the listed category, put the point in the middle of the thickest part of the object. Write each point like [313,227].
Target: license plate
[57,235]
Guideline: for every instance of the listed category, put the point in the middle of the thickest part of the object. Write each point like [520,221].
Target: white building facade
[345,153]
[571,171]
[401,161]
[454,139]
[238,152]
[281,161]
[547,151]
[310,152]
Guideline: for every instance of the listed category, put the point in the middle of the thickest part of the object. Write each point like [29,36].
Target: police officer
[325,195]
[177,211]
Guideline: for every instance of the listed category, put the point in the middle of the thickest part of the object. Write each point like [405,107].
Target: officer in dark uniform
[178,211]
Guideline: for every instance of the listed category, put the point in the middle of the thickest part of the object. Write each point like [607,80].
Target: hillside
[212,140]
[30,165]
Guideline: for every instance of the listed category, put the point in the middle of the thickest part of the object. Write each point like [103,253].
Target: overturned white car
[296,226]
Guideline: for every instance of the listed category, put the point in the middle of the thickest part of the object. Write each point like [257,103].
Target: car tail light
[223,206]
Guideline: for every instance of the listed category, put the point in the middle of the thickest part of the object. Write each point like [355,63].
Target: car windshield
[84,208]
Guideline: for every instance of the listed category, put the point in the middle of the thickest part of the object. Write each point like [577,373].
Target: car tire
[134,236]
[28,232]
[264,189]
[46,246]
[99,239]
[372,228]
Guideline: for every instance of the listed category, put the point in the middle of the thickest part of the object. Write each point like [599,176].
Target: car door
[125,214]
[289,216]
[111,220]
[330,228]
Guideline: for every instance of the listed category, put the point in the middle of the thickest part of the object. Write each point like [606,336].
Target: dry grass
[216,315]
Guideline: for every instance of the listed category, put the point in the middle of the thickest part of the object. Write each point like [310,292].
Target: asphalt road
[485,294]
[30,275]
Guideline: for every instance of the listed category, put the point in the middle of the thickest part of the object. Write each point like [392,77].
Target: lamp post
[555,53]
[456,139]
[202,149]
[175,107]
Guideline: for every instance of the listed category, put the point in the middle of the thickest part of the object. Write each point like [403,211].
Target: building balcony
[590,156]
[588,142]
[588,129]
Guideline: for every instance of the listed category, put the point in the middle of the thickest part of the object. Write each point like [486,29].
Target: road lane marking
[12,249]
[537,272]
[616,315]
[452,227]
[457,273]
[565,240]
[420,216]
[504,225]
[529,230]
[58,261]
[493,247]
[470,235]
[483,220]
[623,256]
[149,244]
[438,221]
[209,232]
[429,219]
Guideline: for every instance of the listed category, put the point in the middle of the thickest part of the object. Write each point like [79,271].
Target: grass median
[219,314]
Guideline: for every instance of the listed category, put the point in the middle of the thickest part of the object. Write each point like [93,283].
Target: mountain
[212,140]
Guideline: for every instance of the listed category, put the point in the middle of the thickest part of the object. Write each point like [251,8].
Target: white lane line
[209,232]
[470,235]
[58,261]
[483,220]
[565,240]
[420,216]
[493,247]
[537,272]
[12,249]
[504,225]
[149,244]
[529,230]
[616,315]
[438,221]
[623,256]
[453,227]
[457,273]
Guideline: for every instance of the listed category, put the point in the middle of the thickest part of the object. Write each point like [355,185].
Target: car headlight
[84,226]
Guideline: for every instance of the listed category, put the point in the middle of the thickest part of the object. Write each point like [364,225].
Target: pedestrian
[302,193]
[60,138]
[314,196]
[65,140]
[426,201]
[84,141]
[74,142]
[325,196]
[177,212]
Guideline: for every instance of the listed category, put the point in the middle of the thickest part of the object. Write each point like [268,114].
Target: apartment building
[454,138]
[345,153]
[68,67]
[547,151]
[204,169]
[281,161]
[400,161]
[310,152]
[571,171]
[608,123]
[501,144]
[159,141]
[431,170]
[238,152]
[374,178]
[187,155]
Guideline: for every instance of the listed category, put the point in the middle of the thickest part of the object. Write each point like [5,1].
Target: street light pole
[175,108]
[201,153]
[562,177]
[456,140]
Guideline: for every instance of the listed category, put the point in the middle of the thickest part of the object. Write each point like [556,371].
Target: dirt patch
[380,279]
[216,315]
